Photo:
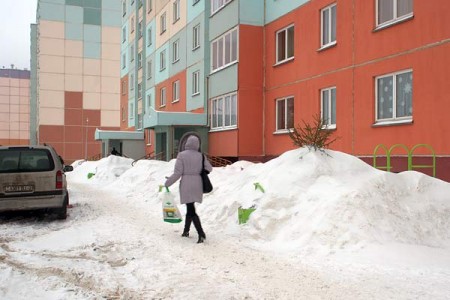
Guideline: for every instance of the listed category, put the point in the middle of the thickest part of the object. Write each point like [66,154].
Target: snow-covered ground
[327,226]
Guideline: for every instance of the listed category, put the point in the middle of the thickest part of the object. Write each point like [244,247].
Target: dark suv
[32,177]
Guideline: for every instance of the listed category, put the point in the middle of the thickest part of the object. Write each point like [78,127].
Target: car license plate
[19,188]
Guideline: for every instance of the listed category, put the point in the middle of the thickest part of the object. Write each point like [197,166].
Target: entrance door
[161,145]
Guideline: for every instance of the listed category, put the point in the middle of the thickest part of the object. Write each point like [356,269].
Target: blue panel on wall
[73,31]
[111,18]
[92,33]
[91,50]
[276,9]
[74,14]
[52,12]
[92,16]
[92,3]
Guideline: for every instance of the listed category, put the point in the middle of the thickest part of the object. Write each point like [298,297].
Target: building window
[139,122]
[176,51]
[132,82]
[149,100]
[122,110]
[124,87]
[392,11]
[162,60]
[195,2]
[124,7]
[163,23]
[224,112]
[131,111]
[216,5]
[196,83]
[285,44]
[139,87]
[141,3]
[149,36]
[285,114]
[132,53]
[148,137]
[149,5]
[124,34]
[132,24]
[149,69]
[140,29]
[176,10]
[196,37]
[176,91]
[124,61]
[394,96]
[224,50]
[139,60]
[162,97]
[328,106]
[328,26]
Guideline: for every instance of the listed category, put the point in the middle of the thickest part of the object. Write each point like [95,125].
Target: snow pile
[310,202]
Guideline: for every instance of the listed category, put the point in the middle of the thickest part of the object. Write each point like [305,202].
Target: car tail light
[59,180]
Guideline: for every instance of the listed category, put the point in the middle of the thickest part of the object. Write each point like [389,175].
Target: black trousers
[190,212]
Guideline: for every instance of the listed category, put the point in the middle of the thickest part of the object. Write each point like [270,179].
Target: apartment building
[14,106]
[374,70]
[75,64]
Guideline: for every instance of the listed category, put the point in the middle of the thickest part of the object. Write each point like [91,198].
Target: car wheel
[61,213]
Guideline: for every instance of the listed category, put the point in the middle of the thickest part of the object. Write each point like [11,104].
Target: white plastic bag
[171,213]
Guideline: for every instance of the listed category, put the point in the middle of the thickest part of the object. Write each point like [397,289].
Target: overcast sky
[15,19]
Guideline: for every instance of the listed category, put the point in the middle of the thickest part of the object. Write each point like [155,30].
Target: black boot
[198,227]
[187,226]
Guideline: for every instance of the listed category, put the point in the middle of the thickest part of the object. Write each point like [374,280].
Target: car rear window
[14,160]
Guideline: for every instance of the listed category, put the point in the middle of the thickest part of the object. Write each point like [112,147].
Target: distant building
[75,64]
[14,107]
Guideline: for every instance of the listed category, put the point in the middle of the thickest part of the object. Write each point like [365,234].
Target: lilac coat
[187,167]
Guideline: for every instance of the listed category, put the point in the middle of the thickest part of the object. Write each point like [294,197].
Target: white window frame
[162,97]
[175,91]
[140,29]
[220,43]
[196,83]
[124,87]
[286,46]
[139,88]
[139,60]
[327,41]
[220,106]
[162,60]
[132,82]
[163,23]
[124,61]
[149,69]
[217,5]
[123,113]
[175,51]
[149,6]
[176,11]
[286,114]
[132,24]
[396,18]
[329,103]
[124,34]
[149,100]
[196,37]
[131,111]
[149,137]
[132,53]
[124,8]
[394,119]
[149,36]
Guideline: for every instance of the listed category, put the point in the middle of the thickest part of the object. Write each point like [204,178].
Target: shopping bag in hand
[171,214]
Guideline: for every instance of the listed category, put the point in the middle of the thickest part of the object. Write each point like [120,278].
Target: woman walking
[188,167]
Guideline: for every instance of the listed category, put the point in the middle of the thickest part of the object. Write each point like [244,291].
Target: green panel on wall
[92,16]
[52,12]
[74,14]
[92,33]
[74,2]
[91,50]
[73,31]
[93,3]
[111,18]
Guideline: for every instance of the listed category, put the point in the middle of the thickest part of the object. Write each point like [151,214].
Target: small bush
[315,136]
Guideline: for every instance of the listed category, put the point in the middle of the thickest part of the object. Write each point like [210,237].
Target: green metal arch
[410,156]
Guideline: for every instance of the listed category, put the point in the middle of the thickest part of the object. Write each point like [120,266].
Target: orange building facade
[378,74]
